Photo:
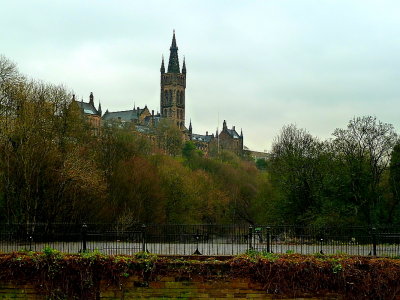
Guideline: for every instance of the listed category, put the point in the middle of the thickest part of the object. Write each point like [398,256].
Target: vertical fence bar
[250,237]
[373,232]
[143,238]
[84,237]
[268,239]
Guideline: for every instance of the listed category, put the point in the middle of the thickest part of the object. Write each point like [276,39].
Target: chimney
[152,112]
[233,128]
[206,132]
[137,108]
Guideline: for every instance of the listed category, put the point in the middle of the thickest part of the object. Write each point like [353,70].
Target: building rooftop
[125,115]
[87,108]
[202,138]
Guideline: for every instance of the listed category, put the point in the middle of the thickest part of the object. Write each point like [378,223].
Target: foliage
[52,169]
[261,164]
[286,275]
[296,168]
[169,137]
[394,184]
[46,170]
[363,150]
[342,181]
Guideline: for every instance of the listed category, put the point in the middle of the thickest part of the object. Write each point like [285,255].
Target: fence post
[143,238]
[268,239]
[373,241]
[322,244]
[250,237]
[84,237]
[30,241]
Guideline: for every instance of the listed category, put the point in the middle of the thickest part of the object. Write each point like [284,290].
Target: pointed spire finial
[91,98]
[190,126]
[173,64]
[184,66]
[162,69]
[99,109]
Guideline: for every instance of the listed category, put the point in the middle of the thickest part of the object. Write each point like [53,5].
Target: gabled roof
[125,115]
[233,133]
[87,108]
[202,138]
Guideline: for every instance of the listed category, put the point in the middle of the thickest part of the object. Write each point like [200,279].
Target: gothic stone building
[172,107]
[93,115]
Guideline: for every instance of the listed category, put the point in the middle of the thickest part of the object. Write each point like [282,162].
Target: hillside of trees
[53,170]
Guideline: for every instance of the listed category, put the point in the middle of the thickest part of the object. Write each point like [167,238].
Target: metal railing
[200,239]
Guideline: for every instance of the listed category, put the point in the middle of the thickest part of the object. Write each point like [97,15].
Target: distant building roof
[233,133]
[126,115]
[87,108]
[202,138]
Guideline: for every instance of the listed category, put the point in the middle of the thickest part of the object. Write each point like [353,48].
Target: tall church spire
[162,69]
[184,66]
[99,110]
[173,64]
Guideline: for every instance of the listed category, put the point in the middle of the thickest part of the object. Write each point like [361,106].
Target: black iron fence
[200,239]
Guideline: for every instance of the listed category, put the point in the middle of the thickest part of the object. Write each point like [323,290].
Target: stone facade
[230,140]
[93,115]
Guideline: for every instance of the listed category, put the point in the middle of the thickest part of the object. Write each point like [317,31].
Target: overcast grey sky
[258,64]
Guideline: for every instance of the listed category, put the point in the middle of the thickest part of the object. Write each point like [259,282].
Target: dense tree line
[350,179]
[52,169]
